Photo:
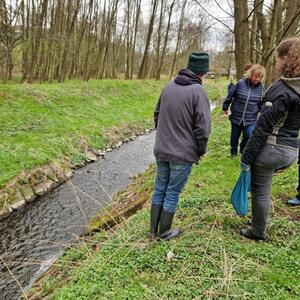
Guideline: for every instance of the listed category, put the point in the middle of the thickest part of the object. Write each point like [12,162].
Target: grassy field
[43,122]
[210,260]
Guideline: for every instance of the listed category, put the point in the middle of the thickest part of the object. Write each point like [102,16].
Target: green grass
[43,122]
[211,260]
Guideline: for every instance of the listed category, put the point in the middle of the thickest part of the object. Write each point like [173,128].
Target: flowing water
[31,238]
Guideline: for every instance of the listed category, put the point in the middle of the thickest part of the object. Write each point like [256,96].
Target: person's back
[288,89]
[182,119]
[184,107]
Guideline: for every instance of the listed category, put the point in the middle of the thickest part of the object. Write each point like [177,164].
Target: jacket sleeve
[229,97]
[156,113]
[261,102]
[269,117]
[202,123]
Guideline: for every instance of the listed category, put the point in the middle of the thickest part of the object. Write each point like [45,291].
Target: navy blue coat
[245,101]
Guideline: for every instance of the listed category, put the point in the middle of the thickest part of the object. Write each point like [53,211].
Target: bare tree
[163,53]
[178,37]
[144,65]
[64,39]
[10,36]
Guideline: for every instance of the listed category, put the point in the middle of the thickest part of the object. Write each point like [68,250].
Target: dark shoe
[165,231]
[233,156]
[294,202]
[247,233]
[154,220]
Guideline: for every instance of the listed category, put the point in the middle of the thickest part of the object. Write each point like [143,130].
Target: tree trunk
[137,16]
[241,33]
[128,45]
[159,36]
[178,38]
[158,71]
[144,65]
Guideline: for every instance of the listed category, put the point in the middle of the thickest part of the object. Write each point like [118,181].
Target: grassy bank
[208,261]
[43,122]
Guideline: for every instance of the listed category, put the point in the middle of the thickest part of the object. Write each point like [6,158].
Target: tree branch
[257,34]
[224,24]
[285,31]
[254,8]
[257,51]
[289,26]
[226,12]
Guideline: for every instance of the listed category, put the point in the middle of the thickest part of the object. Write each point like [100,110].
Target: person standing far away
[183,122]
[274,143]
[296,201]
[242,105]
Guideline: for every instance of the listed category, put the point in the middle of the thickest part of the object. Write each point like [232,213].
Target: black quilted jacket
[279,121]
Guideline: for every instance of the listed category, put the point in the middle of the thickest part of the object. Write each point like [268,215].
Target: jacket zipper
[248,97]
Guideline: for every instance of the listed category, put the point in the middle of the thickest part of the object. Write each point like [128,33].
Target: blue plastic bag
[239,195]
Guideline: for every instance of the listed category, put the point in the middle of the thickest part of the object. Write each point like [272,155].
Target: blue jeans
[170,181]
[236,131]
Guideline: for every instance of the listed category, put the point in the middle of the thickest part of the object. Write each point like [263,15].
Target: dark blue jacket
[245,101]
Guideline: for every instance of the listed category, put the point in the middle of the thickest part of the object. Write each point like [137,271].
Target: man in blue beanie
[182,121]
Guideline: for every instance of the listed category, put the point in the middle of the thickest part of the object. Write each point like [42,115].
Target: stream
[32,237]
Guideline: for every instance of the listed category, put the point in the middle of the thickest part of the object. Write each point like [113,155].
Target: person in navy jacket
[242,105]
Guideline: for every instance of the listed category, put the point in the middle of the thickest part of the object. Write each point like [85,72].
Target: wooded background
[43,40]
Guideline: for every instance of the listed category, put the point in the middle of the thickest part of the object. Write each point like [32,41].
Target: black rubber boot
[247,233]
[165,231]
[154,220]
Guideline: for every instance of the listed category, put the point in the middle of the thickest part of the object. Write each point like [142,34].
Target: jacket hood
[187,77]
[293,83]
